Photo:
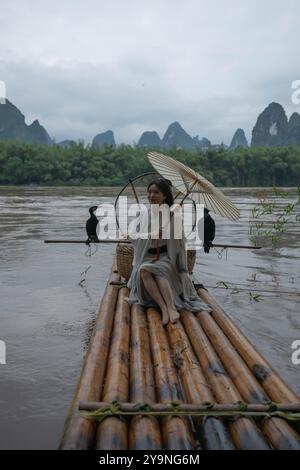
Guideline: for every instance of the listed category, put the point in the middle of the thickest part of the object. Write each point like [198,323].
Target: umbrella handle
[188,192]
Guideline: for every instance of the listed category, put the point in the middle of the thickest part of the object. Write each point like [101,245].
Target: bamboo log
[79,432]
[176,431]
[246,383]
[273,384]
[144,431]
[112,433]
[213,432]
[244,432]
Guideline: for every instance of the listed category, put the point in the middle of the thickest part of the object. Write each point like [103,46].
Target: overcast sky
[85,66]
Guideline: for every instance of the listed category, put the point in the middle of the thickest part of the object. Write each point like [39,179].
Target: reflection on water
[46,316]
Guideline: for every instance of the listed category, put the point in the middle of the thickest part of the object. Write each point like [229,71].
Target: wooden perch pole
[125,240]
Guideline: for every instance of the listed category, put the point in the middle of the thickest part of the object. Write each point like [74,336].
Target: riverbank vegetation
[23,163]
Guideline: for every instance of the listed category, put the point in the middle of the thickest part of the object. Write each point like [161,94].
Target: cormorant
[91,226]
[209,230]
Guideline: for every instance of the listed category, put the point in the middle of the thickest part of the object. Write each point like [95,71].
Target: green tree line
[23,163]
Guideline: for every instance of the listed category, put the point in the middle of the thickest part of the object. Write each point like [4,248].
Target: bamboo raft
[182,370]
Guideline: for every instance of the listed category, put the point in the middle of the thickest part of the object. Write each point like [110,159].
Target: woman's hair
[164,186]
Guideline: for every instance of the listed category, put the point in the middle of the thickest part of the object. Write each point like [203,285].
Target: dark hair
[164,186]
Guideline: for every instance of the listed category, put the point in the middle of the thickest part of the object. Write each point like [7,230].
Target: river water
[46,315]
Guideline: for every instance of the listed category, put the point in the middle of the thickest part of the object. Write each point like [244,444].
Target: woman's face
[155,195]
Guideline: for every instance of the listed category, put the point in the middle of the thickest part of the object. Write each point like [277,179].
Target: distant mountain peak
[294,119]
[104,139]
[35,122]
[66,143]
[176,136]
[149,139]
[271,127]
[14,127]
[294,129]
[239,139]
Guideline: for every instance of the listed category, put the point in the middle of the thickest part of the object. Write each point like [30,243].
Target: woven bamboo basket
[125,258]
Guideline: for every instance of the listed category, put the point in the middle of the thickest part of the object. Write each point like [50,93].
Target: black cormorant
[209,230]
[91,226]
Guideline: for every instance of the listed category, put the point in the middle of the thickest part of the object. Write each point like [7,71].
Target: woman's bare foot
[174,315]
[165,317]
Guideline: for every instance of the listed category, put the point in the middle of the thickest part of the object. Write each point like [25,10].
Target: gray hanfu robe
[171,265]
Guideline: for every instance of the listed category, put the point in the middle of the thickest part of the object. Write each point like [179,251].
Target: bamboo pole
[213,432]
[145,408]
[121,240]
[273,384]
[244,432]
[124,240]
[144,431]
[176,431]
[112,433]
[79,432]
[246,383]
[243,247]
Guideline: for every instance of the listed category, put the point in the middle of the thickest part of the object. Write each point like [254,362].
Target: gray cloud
[88,66]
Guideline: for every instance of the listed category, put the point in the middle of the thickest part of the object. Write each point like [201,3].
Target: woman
[159,276]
